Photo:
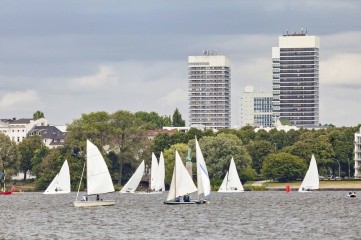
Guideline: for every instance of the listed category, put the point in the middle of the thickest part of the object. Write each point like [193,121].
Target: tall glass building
[296,79]
[209,81]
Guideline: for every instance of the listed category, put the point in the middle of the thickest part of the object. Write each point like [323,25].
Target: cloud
[18,99]
[174,98]
[105,78]
[341,69]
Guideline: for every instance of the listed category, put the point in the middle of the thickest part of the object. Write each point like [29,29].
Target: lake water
[248,215]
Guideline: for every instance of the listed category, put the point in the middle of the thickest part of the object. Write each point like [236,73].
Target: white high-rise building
[255,108]
[357,154]
[296,79]
[209,81]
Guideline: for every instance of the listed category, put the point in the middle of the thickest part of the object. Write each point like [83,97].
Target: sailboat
[154,178]
[203,181]
[311,180]
[231,182]
[98,178]
[134,181]
[161,173]
[157,174]
[61,182]
[181,184]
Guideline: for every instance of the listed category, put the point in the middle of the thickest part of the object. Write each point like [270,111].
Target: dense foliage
[122,138]
[283,167]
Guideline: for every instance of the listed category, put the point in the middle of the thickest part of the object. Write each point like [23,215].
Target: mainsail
[311,180]
[182,182]
[203,181]
[134,181]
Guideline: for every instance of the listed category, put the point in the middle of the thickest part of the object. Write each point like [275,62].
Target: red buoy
[288,188]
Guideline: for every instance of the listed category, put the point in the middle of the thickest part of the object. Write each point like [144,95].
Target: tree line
[122,138]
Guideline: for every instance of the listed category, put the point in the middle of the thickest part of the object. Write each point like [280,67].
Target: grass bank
[323,184]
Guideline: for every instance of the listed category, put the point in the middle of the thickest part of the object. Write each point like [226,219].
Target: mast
[4,181]
[227,181]
[81,178]
[175,176]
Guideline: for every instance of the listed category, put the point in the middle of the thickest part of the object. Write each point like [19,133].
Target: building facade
[18,129]
[209,81]
[295,64]
[255,108]
[357,154]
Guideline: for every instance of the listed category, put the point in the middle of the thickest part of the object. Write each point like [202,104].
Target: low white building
[18,129]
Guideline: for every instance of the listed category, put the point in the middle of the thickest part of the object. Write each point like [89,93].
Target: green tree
[94,126]
[218,151]
[284,167]
[302,149]
[128,140]
[161,142]
[169,159]
[38,114]
[27,150]
[9,156]
[177,120]
[48,168]
[120,132]
[258,150]
[153,120]
[246,134]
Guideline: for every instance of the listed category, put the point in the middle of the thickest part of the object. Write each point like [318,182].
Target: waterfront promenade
[325,185]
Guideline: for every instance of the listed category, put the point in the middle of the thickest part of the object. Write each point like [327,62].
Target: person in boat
[98,198]
[186,198]
[85,198]
[177,199]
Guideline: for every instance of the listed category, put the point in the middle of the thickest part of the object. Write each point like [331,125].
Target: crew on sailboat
[186,198]
[85,198]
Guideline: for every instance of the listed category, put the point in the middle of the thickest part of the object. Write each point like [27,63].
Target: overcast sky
[66,58]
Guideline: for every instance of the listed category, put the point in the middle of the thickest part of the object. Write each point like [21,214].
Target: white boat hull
[176,203]
[94,203]
[230,191]
[148,192]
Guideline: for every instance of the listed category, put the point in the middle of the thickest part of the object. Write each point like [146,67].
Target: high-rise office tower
[255,108]
[296,79]
[209,79]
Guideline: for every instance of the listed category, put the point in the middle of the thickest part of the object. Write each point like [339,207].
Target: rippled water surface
[248,215]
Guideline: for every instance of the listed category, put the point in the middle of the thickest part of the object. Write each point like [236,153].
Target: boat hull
[203,201]
[94,203]
[230,191]
[6,193]
[351,195]
[177,203]
[148,193]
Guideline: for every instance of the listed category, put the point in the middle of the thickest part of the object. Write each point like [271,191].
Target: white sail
[223,186]
[161,173]
[61,182]
[154,173]
[231,182]
[182,182]
[98,177]
[134,181]
[311,180]
[203,181]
